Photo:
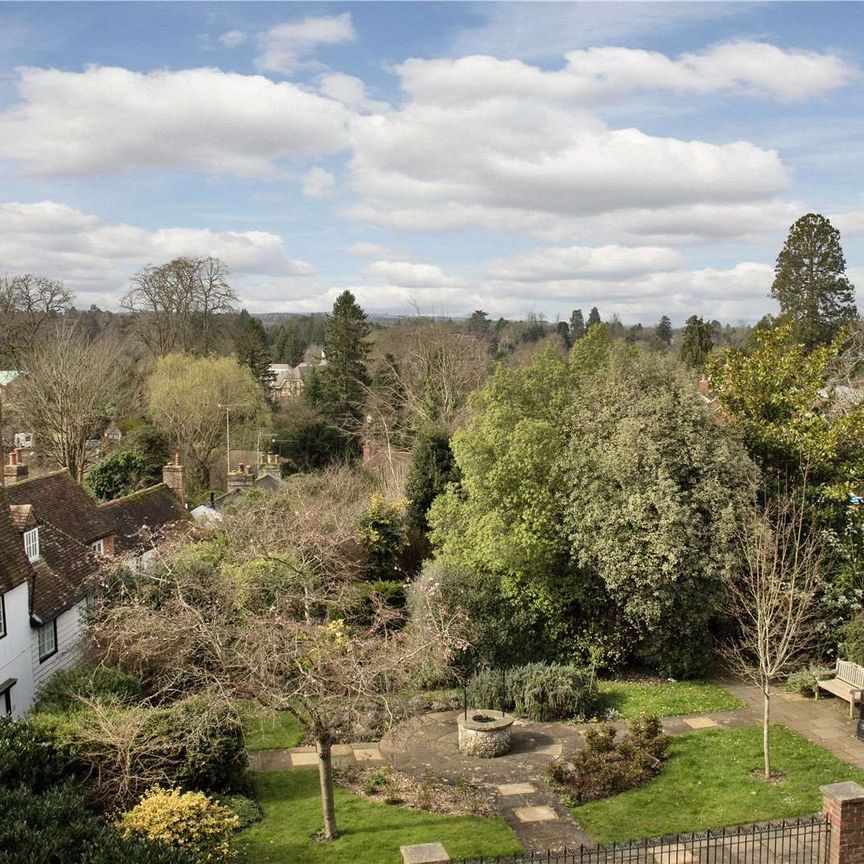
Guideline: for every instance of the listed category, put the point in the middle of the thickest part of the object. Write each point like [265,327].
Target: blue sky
[647,158]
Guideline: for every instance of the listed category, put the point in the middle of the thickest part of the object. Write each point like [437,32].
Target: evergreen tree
[252,350]
[577,325]
[696,342]
[290,345]
[664,330]
[810,281]
[562,328]
[479,324]
[593,317]
[432,468]
[345,376]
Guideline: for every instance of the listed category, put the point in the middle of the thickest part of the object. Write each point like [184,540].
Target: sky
[647,158]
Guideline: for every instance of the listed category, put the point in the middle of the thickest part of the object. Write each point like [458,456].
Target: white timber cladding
[68,646]
[16,649]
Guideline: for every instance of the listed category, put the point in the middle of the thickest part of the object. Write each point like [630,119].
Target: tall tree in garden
[432,468]
[593,317]
[810,282]
[253,351]
[577,324]
[696,343]
[345,376]
[663,330]
[562,328]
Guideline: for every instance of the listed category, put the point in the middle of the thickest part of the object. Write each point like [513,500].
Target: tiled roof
[22,516]
[137,516]
[62,575]
[14,566]
[58,499]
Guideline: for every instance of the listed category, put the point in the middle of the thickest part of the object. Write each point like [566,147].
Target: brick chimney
[241,478]
[173,478]
[270,466]
[15,470]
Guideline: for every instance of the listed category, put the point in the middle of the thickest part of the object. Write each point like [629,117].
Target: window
[98,547]
[31,544]
[47,640]
[2,616]
[6,695]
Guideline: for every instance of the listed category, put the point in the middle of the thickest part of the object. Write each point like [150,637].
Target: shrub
[186,820]
[28,756]
[64,690]
[245,809]
[853,639]
[606,766]
[536,691]
[805,681]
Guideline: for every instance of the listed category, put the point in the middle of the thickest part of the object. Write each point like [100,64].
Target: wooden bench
[847,683]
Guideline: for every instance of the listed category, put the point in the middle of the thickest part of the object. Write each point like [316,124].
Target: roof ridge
[136,494]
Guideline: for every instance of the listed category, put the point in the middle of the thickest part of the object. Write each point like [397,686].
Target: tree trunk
[766,719]
[325,777]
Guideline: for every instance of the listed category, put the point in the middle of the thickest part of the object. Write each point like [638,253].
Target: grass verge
[271,730]
[666,698]
[371,833]
[708,782]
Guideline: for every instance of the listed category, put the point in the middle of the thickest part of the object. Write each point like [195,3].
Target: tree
[432,468]
[663,330]
[176,304]
[696,342]
[253,352]
[269,624]
[770,596]
[65,395]
[290,344]
[562,328]
[479,324]
[810,282]
[345,376]
[26,303]
[593,317]
[577,324]
[135,463]
[188,398]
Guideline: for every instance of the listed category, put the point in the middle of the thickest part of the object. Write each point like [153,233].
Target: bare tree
[770,595]
[177,304]
[26,303]
[281,640]
[65,395]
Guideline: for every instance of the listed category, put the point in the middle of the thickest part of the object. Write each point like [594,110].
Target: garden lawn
[371,833]
[666,698]
[271,730]
[708,782]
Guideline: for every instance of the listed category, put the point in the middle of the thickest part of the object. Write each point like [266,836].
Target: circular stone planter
[484,733]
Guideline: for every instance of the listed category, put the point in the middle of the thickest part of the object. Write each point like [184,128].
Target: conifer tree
[577,325]
[696,343]
[253,351]
[810,282]
[593,317]
[664,330]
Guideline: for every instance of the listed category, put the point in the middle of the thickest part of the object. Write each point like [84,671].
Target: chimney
[270,466]
[172,477]
[15,471]
[240,478]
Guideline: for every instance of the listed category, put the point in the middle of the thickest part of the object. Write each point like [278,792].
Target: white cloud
[96,258]
[233,38]
[740,68]
[283,47]
[108,119]
[583,262]
[365,249]
[349,90]
[851,222]
[406,274]
[318,183]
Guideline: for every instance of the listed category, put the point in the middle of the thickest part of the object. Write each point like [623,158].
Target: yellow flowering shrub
[188,820]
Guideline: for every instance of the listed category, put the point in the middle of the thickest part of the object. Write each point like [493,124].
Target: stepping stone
[424,853]
[515,789]
[535,814]
[303,760]
[309,748]
[368,754]
[698,723]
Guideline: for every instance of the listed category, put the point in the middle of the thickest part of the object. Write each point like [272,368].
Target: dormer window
[31,544]
[98,547]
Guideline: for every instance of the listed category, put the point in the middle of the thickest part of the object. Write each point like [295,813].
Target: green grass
[371,833]
[708,783]
[667,698]
[271,730]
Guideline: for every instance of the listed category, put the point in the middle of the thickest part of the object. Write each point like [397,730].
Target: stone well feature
[484,733]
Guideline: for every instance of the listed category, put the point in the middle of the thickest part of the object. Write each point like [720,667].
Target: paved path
[824,721]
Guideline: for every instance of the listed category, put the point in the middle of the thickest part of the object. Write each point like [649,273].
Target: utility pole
[228,408]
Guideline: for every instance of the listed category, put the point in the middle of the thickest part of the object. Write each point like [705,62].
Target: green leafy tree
[345,376]
[663,330]
[116,475]
[593,317]
[253,352]
[577,324]
[810,282]
[432,468]
[696,343]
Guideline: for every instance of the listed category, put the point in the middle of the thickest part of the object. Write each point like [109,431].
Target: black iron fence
[795,841]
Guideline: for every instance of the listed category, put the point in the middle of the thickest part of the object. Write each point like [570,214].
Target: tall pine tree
[593,317]
[663,330]
[696,343]
[577,325]
[253,351]
[810,281]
